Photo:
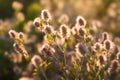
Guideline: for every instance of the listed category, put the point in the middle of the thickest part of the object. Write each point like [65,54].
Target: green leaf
[88,31]
[65,46]
[76,66]
[50,38]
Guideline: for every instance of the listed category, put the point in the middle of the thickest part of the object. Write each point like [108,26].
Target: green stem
[43,73]
[64,59]
[97,73]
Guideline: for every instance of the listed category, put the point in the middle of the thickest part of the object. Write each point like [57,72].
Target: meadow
[60,40]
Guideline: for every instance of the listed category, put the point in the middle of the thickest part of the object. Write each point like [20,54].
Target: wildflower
[82,31]
[89,38]
[105,36]
[36,22]
[30,68]
[63,19]
[36,60]
[115,50]
[81,21]
[12,33]
[81,49]
[49,51]
[108,44]
[21,35]
[98,46]
[64,31]
[101,59]
[19,48]
[45,15]
[48,29]
[114,66]
[17,6]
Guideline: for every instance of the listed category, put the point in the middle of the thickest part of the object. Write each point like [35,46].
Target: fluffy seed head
[21,35]
[36,22]
[101,59]
[81,21]
[82,31]
[45,15]
[12,33]
[63,19]
[105,36]
[48,29]
[81,49]
[36,60]
[114,66]
[17,48]
[49,51]
[89,38]
[108,44]
[64,31]
[97,46]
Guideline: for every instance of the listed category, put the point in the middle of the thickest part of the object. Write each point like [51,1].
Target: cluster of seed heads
[77,45]
[19,43]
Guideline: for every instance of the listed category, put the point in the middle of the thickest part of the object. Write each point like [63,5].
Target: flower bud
[19,48]
[36,22]
[81,49]
[63,19]
[89,38]
[82,31]
[64,31]
[48,29]
[81,21]
[113,67]
[108,44]
[45,15]
[105,36]
[21,35]
[36,60]
[12,33]
[49,51]
[101,59]
[97,46]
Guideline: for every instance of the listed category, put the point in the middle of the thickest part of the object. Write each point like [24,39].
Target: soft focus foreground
[60,40]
